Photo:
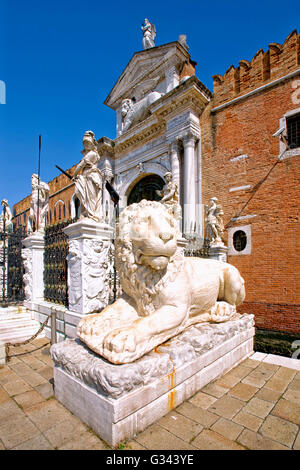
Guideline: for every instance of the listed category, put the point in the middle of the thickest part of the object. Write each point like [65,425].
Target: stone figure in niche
[149,34]
[89,184]
[94,257]
[74,273]
[163,292]
[6,215]
[170,196]
[214,222]
[38,206]
[27,277]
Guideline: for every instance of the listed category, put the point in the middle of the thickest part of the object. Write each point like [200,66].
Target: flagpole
[39,170]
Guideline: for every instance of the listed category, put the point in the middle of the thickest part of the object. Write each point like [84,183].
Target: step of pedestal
[13,309]
[17,327]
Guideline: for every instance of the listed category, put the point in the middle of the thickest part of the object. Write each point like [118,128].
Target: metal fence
[114,283]
[15,267]
[11,264]
[55,263]
[197,246]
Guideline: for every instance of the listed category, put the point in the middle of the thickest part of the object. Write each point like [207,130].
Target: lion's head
[146,248]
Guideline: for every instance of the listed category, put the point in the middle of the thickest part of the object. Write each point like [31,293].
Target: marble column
[199,205]
[189,198]
[175,163]
[88,265]
[33,259]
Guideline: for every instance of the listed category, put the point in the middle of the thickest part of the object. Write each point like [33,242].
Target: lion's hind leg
[234,286]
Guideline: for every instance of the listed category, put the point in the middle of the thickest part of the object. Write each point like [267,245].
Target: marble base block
[119,401]
[33,258]
[88,263]
[218,252]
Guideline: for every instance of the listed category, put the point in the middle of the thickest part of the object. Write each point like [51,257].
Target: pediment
[144,66]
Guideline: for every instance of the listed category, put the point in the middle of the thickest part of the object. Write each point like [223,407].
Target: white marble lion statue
[164,292]
[136,112]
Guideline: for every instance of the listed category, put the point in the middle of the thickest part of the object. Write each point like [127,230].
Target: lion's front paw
[222,311]
[120,340]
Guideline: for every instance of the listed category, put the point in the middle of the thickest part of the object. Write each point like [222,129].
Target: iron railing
[197,246]
[15,267]
[55,263]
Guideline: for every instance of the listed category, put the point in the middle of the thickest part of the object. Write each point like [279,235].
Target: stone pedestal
[33,258]
[119,401]
[218,252]
[88,264]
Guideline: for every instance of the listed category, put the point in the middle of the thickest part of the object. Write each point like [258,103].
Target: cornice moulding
[156,65]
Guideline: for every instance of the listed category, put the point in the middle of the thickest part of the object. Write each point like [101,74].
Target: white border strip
[278,360]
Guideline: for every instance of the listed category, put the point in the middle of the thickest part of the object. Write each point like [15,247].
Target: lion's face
[152,233]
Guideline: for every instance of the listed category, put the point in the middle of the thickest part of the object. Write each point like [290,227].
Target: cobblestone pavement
[256,405]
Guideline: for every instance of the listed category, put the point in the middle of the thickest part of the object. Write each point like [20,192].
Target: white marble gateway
[157,109]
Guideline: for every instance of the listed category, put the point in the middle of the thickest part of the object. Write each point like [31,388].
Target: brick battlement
[277,61]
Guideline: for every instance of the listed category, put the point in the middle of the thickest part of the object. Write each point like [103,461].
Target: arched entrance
[146,189]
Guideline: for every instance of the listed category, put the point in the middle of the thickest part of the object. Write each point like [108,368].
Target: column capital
[174,145]
[189,138]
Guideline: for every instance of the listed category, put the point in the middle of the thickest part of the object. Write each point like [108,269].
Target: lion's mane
[139,281]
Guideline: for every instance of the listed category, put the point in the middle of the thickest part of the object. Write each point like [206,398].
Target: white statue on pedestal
[6,215]
[149,34]
[164,292]
[214,222]
[89,184]
[38,206]
[170,196]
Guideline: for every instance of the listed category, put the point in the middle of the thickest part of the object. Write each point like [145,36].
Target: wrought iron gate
[197,246]
[11,265]
[55,264]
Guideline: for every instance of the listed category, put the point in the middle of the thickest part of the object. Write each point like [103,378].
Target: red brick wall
[271,271]
[264,67]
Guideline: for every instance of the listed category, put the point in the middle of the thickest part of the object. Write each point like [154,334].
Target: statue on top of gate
[39,205]
[149,33]
[89,184]
[5,216]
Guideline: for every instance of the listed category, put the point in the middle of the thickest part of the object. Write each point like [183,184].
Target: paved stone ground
[254,406]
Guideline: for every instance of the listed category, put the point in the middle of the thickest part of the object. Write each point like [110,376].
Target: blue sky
[60,59]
